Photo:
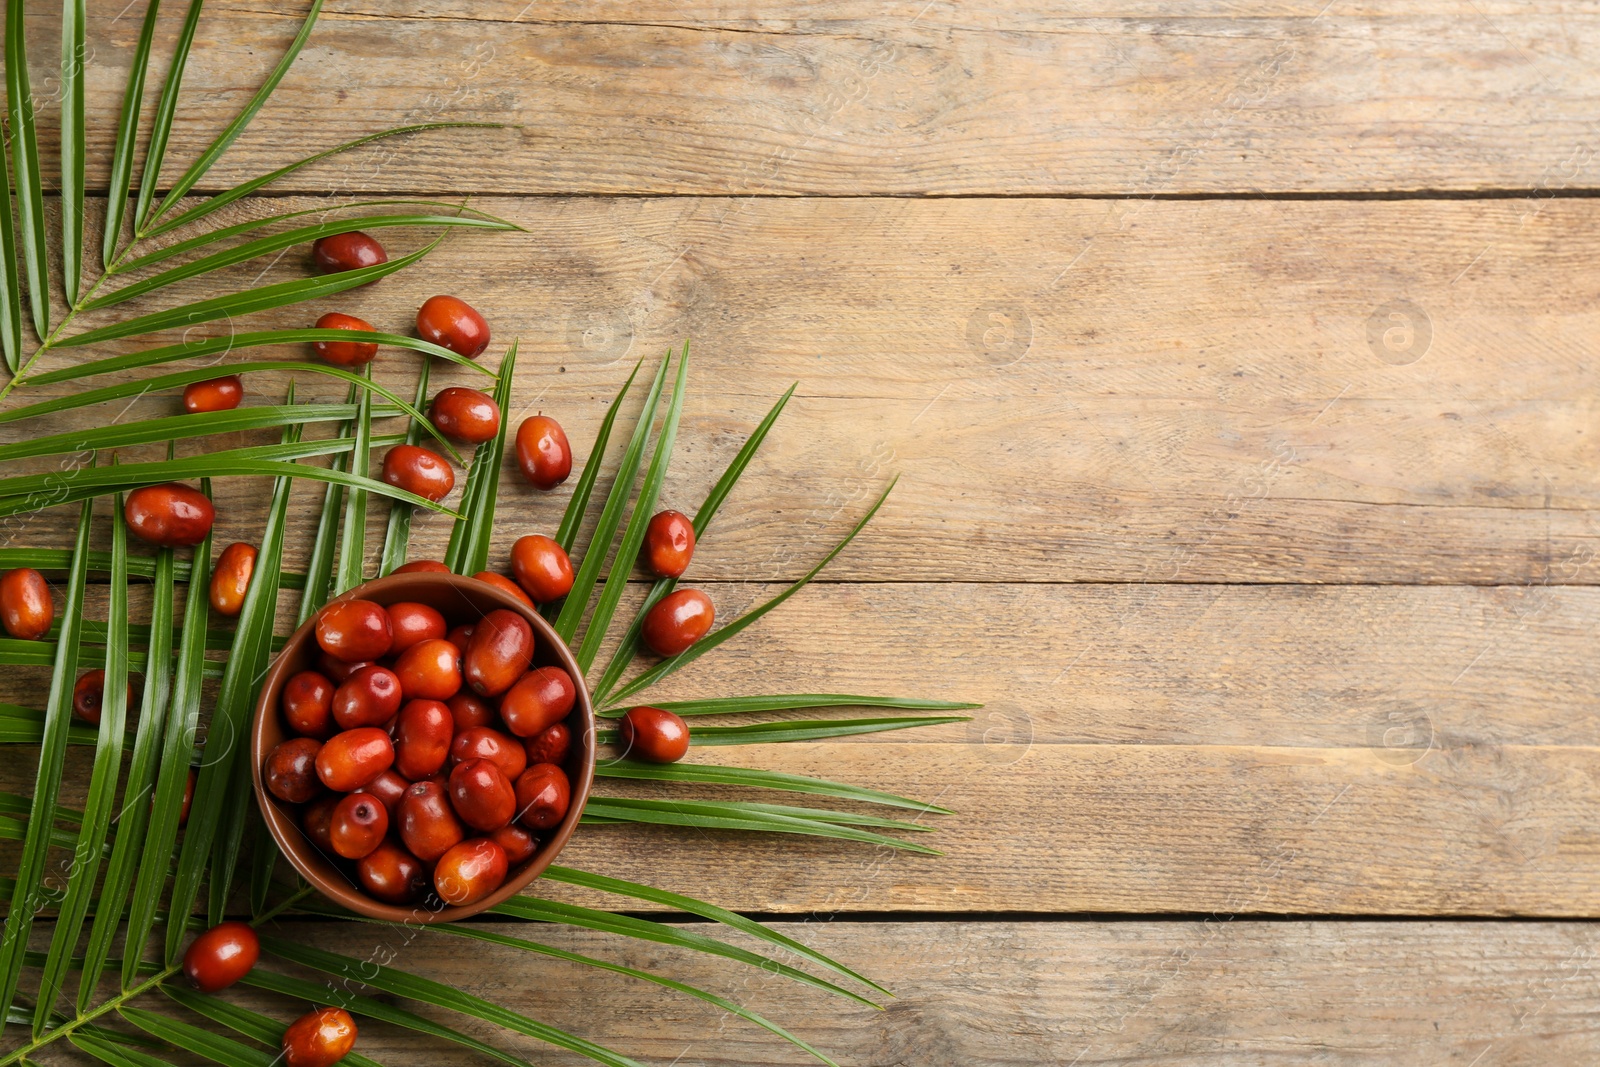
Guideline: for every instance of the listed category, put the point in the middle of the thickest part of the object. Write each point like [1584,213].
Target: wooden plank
[1068,398]
[1132,994]
[906,98]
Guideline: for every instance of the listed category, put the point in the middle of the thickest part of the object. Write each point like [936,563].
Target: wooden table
[1238,363]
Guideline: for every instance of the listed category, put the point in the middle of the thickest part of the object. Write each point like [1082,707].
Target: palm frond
[715,774]
[397,530]
[166,110]
[127,135]
[25,160]
[73,58]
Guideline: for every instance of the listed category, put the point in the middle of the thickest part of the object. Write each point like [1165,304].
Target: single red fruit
[215,394]
[26,610]
[482,795]
[519,845]
[470,871]
[230,579]
[339,670]
[542,568]
[355,630]
[291,771]
[428,824]
[465,415]
[345,353]
[668,544]
[319,1038]
[549,745]
[453,323]
[317,822]
[430,670]
[351,759]
[420,471]
[681,618]
[422,738]
[412,623]
[653,734]
[505,585]
[170,515]
[370,697]
[422,566]
[459,636]
[221,956]
[498,653]
[543,796]
[340,252]
[543,452]
[89,696]
[540,698]
[358,825]
[307,704]
[387,788]
[500,749]
[392,874]
[469,711]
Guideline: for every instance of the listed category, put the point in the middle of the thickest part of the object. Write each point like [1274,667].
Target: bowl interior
[458,599]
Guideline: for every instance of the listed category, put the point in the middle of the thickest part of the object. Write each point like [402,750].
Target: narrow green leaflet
[115,1055]
[10,283]
[711,815]
[98,808]
[127,135]
[427,991]
[214,1047]
[629,646]
[319,567]
[715,774]
[766,733]
[234,305]
[213,152]
[712,640]
[644,508]
[263,859]
[397,531]
[25,160]
[572,518]
[60,559]
[353,542]
[251,1024]
[792,701]
[181,427]
[749,808]
[594,556]
[469,535]
[134,818]
[177,747]
[73,58]
[47,783]
[166,108]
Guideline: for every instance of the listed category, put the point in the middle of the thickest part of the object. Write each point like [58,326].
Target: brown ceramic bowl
[457,598]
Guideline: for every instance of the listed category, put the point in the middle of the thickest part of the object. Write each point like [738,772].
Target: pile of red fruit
[428,754]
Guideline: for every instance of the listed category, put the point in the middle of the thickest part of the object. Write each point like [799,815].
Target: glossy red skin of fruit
[505,585]
[307,704]
[470,871]
[498,653]
[453,323]
[543,452]
[430,670]
[422,738]
[549,745]
[411,623]
[339,252]
[319,1038]
[419,470]
[355,630]
[668,544]
[541,698]
[481,742]
[388,788]
[215,394]
[465,415]
[317,822]
[482,794]
[170,515]
[291,770]
[89,696]
[428,824]
[519,845]
[188,798]
[345,353]
[351,759]
[358,825]
[221,956]
[370,697]
[26,609]
[542,568]
[339,671]
[422,566]
[653,734]
[470,710]
[543,796]
[681,618]
[392,874]
[459,636]
[230,578]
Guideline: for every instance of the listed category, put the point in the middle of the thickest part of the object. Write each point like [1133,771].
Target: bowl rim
[291,839]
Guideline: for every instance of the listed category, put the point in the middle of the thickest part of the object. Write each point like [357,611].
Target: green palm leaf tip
[127,134]
[72,146]
[25,157]
[397,532]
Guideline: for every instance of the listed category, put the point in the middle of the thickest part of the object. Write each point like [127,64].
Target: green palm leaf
[127,135]
[397,531]
[468,549]
[578,505]
[714,774]
[792,701]
[352,545]
[166,108]
[715,815]
[214,1047]
[767,733]
[116,1055]
[319,567]
[10,283]
[72,147]
[25,159]
[251,1024]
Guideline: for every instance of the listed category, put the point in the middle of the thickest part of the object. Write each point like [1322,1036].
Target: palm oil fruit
[353,630]
[230,578]
[340,252]
[481,742]
[505,585]
[26,610]
[319,1038]
[388,787]
[542,568]
[668,544]
[482,795]
[419,470]
[549,745]
[170,515]
[465,415]
[213,394]
[543,452]
[307,704]
[541,698]
[292,773]
[519,845]
[452,323]
[317,822]
[422,566]
[498,653]
[89,696]
[653,734]
[221,956]
[470,871]
[422,737]
[681,618]
[352,758]
[428,824]
[411,623]
[543,796]
[369,697]
[392,874]
[429,670]
[357,825]
[345,353]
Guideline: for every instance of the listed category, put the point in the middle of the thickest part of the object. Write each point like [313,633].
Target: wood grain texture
[1073,390]
[905,98]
